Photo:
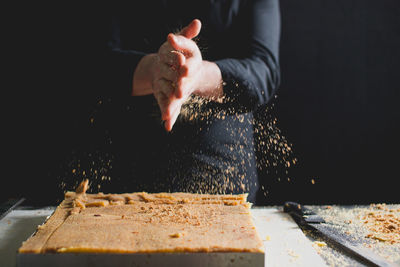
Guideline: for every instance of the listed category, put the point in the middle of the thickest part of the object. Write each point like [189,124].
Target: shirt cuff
[236,88]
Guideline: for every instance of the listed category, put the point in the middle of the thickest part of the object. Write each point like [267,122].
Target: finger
[170,122]
[183,44]
[165,48]
[166,99]
[171,108]
[179,88]
[172,58]
[181,84]
[191,30]
[169,73]
[162,101]
[184,71]
[167,54]
[165,86]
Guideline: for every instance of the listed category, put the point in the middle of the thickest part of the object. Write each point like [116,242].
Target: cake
[146,223]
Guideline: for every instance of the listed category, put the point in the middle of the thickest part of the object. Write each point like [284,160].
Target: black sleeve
[119,64]
[252,79]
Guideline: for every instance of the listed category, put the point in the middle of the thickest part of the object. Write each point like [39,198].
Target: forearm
[249,82]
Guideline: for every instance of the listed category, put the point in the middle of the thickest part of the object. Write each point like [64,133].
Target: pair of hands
[175,72]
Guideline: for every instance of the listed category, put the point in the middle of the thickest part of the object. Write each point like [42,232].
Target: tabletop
[285,243]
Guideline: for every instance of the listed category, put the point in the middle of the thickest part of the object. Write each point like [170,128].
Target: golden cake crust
[147,223]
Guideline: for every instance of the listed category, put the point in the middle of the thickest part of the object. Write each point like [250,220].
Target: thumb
[182,44]
[191,30]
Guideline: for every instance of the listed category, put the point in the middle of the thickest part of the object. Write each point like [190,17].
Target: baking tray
[191,259]
[200,259]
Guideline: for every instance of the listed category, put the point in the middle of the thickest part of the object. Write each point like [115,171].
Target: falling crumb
[94,165]
[267,238]
[276,153]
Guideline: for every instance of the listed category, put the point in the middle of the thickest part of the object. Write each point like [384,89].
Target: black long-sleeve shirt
[213,152]
[77,62]
[242,37]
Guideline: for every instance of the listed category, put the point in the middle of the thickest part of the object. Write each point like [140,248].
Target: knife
[9,205]
[308,219]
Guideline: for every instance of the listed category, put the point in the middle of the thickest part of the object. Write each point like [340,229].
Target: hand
[143,75]
[175,77]
[192,74]
[175,72]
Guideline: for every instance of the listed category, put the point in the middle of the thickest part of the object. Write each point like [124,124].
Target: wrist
[209,81]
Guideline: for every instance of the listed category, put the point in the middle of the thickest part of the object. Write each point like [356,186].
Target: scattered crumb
[383,223]
[319,244]
[375,226]
[176,235]
[293,254]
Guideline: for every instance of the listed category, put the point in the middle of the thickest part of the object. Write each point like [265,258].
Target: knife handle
[301,214]
[292,207]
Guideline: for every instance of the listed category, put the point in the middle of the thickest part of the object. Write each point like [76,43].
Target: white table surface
[285,244]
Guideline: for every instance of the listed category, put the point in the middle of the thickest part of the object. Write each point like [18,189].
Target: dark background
[337,103]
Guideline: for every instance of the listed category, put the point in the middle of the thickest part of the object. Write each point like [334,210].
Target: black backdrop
[337,104]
